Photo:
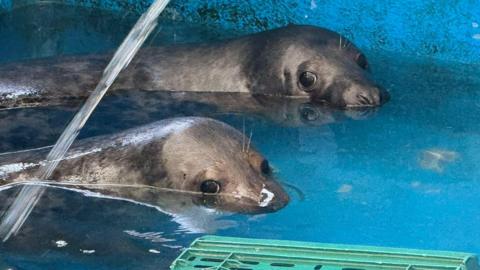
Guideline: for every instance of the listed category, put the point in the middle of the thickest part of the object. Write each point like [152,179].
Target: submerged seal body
[191,155]
[298,61]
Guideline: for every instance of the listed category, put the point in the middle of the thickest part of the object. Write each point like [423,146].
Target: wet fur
[266,63]
[176,154]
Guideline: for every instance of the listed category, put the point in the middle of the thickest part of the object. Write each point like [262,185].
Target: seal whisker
[82,174]
[249,140]
[86,185]
[243,137]
[297,190]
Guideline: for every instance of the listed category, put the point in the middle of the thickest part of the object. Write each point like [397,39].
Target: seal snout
[272,197]
[367,96]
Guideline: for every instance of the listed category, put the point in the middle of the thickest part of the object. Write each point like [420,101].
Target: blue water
[406,176]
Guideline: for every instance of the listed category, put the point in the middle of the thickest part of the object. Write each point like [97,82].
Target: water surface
[406,176]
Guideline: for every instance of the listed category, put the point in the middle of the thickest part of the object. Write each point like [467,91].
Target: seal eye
[307,79]
[361,60]
[265,167]
[210,186]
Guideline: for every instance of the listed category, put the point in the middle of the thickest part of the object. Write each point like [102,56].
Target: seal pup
[295,61]
[192,155]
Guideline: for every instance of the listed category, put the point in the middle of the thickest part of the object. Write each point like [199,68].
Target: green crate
[228,253]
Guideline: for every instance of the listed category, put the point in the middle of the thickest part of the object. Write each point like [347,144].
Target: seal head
[205,159]
[315,62]
[229,173]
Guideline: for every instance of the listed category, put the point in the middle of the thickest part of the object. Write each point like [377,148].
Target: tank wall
[442,29]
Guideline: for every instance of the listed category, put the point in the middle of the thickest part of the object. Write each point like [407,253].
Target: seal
[193,155]
[296,61]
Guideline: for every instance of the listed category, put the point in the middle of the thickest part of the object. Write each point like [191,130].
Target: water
[29,196]
[407,176]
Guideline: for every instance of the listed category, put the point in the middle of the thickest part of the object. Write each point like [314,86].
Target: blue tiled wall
[442,29]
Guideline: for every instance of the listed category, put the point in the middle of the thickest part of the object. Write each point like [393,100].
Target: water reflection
[36,127]
[100,233]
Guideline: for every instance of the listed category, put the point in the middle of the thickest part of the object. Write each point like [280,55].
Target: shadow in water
[96,232]
[36,127]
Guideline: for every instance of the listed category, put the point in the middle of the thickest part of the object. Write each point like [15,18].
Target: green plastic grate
[228,253]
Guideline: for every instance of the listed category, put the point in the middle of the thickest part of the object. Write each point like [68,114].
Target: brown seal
[296,61]
[191,155]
